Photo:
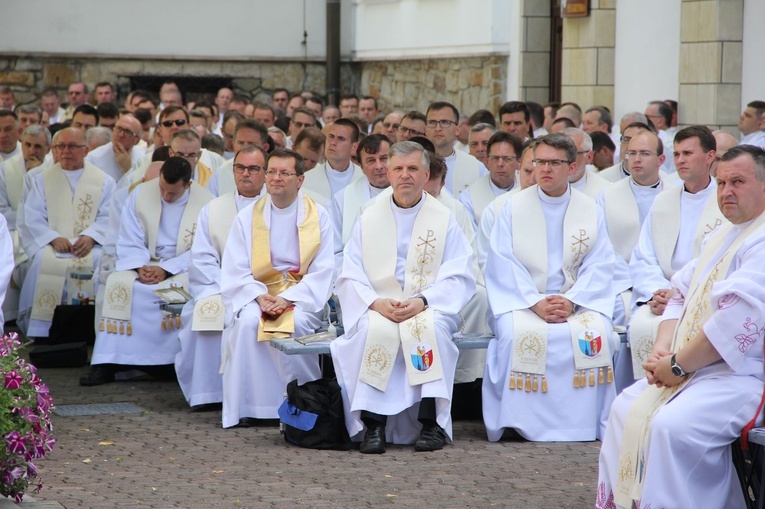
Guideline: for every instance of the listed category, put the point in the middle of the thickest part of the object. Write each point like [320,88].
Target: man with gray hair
[551,303]
[97,137]
[405,276]
[478,141]
[584,178]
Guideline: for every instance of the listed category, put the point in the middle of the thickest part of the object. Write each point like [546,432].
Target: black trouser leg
[427,413]
[371,419]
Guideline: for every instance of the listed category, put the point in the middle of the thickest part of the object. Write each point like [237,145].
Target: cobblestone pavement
[169,457]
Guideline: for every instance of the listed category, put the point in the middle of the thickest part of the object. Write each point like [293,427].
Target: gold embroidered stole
[481,194]
[622,217]
[209,311]
[416,336]
[309,240]
[589,334]
[203,174]
[69,216]
[118,293]
[697,309]
[666,216]
[644,326]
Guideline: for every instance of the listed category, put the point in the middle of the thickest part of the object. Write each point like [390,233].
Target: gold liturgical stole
[118,294]
[203,173]
[589,337]
[309,240]
[416,336]
[69,216]
[697,310]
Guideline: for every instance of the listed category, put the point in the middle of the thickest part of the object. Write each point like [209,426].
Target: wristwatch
[424,300]
[676,369]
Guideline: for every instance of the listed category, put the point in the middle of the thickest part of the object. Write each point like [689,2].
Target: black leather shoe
[247,422]
[99,375]
[207,407]
[432,438]
[374,440]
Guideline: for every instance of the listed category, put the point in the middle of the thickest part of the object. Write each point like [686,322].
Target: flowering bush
[25,426]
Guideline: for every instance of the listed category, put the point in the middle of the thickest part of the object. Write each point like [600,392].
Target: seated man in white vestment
[156,231]
[584,179]
[119,155]
[668,438]
[9,135]
[35,143]
[62,232]
[247,132]
[478,140]
[347,204]
[338,171]
[442,128]
[503,157]
[405,278]
[273,286]
[671,236]
[6,264]
[198,363]
[549,279]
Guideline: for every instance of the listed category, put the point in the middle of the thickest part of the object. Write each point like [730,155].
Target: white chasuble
[589,334]
[69,216]
[697,310]
[309,241]
[118,294]
[416,336]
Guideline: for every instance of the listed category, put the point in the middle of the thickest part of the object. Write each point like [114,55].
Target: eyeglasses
[389,125]
[281,174]
[504,159]
[169,123]
[625,139]
[192,155]
[126,132]
[410,132]
[582,152]
[254,169]
[644,154]
[70,146]
[443,123]
[552,163]
[301,125]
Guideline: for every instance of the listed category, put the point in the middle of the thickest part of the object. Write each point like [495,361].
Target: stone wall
[29,75]
[536,24]
[470,83]
[587,73]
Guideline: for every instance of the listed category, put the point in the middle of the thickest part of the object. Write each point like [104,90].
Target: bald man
[119,155]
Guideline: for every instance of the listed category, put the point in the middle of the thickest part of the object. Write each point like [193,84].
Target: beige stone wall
[470,83]
[588,56]
[27,76]
[536,25]
[710,63]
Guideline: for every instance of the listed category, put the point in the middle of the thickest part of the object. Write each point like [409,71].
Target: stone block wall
[536,25]
[588,56]
[470,83]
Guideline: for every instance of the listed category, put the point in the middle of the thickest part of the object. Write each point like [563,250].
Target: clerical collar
[685,189]
[495,187]
[652,186]
[406,208]
[554,199]
[329,167]
[624,170]
[180,201]
[451,156]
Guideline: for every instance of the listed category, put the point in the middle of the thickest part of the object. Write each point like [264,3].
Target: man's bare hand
[61,245]
[407,309]
[659,301]
[658,353]
[273,305]
[33,162]
[387,308]
[151,274]
[82,246]
[662,372]
[123,157]
[553,309]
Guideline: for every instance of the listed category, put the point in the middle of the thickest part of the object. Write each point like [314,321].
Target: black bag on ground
[72,323]
[313,416]
[66,355]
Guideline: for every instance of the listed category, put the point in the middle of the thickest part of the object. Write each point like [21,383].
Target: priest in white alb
[198,362]
[671,236]
[157,228]
[338,170]
[247,132]
[65,216]
[276,278]
[549,279]
[669,436]
[585,178]
[119,155]
[406,276]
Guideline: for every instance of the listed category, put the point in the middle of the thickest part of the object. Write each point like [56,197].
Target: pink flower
[14,443]
[13,380]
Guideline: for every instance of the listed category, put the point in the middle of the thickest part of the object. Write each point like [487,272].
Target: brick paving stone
[170,457]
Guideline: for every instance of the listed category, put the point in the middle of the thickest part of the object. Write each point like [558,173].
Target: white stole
[416,335]
[354,198]
[316,180]
[69,216]
[481,194]
[622,217]
[226,183]
[467,169]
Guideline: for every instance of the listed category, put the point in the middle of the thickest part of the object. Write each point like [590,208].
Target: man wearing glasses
[671,236]
[65,218]
[78,95]
[119,155]
[247,132]
[584,179]
[198,362]
[187,144]
[548,374]
[276,278]
[302,117]
[412,125]
[157,228]
[442,128]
